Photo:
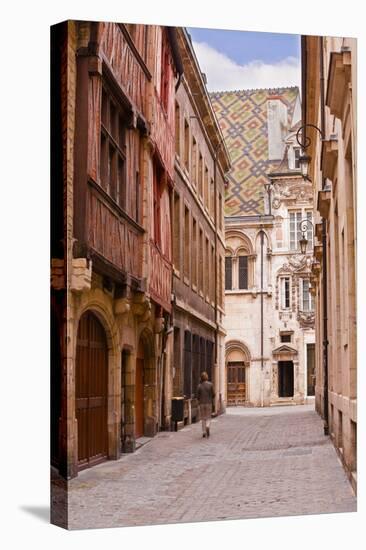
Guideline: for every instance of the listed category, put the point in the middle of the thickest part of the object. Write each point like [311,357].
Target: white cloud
[225,74]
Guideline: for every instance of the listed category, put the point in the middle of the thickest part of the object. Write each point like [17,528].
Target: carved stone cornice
[319,231]
[81,274]
[318,252]
[306,319]
[122,306]
[339,79]
[329,157]
[324,202]
[141,306]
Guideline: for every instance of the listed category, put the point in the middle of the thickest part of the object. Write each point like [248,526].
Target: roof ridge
[275,89]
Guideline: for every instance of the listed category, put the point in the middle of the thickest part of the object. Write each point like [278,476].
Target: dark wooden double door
[91,391]
[236,390]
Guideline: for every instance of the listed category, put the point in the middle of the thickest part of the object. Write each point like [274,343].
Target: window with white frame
[285,292]
[307,299]
[295,229]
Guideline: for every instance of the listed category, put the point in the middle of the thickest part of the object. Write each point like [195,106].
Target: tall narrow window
[177,128]
[156,199]
[201,263]
[228,273]
[194,252]
[221,294]
[137,198]
[113,149]
[186,242]
[186,145]
[243,272]
[165,72]
[212,199]
[220,213]
[295,231]
[187,384]
[176,232]
[309,236]
[200,175]
[285,292]
[208,273]
[194,161]
[206,190]
[307,302]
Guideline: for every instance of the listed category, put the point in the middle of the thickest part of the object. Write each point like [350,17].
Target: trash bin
[177,409]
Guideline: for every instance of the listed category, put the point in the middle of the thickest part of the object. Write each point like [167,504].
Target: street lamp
[305,160]
[304,226]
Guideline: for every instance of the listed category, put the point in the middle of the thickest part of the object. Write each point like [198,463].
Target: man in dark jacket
[205,395]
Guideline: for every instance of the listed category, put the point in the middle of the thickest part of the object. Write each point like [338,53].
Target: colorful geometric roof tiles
[242,115]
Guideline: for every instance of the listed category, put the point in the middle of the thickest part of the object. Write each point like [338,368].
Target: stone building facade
[269,316]
[201,161]
[329,91]
[111,268]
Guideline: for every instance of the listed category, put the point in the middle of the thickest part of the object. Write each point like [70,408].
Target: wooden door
[285,379]
[91,391]
[236,393]
[139,394]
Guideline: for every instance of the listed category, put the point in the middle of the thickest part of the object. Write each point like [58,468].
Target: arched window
[242,271]
[239,262]
[228,273]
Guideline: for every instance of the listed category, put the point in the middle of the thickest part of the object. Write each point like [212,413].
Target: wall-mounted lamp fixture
[304,159]
[304,227]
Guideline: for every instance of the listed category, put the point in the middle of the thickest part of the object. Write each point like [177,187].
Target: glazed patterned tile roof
[242,115]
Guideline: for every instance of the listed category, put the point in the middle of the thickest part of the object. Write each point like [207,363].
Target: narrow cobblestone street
[257,463]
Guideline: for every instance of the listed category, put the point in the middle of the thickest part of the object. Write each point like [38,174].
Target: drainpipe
[324,245]
[216,276]
[262,365]
[216,315]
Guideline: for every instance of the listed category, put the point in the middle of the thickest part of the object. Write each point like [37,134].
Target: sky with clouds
[235,60]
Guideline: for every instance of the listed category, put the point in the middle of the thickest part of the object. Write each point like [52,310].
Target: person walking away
[205,395]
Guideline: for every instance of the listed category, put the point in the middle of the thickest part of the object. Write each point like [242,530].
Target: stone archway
[237,366]
[100,306]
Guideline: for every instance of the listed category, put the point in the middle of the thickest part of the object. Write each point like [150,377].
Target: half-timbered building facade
[112,171]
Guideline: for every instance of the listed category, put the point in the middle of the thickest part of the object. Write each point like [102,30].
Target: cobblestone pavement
[256,463]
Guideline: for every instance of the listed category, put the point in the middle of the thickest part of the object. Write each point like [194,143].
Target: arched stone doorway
[237,363]
[91,391]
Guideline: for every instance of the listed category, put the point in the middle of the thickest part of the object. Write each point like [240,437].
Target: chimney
[277,123]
